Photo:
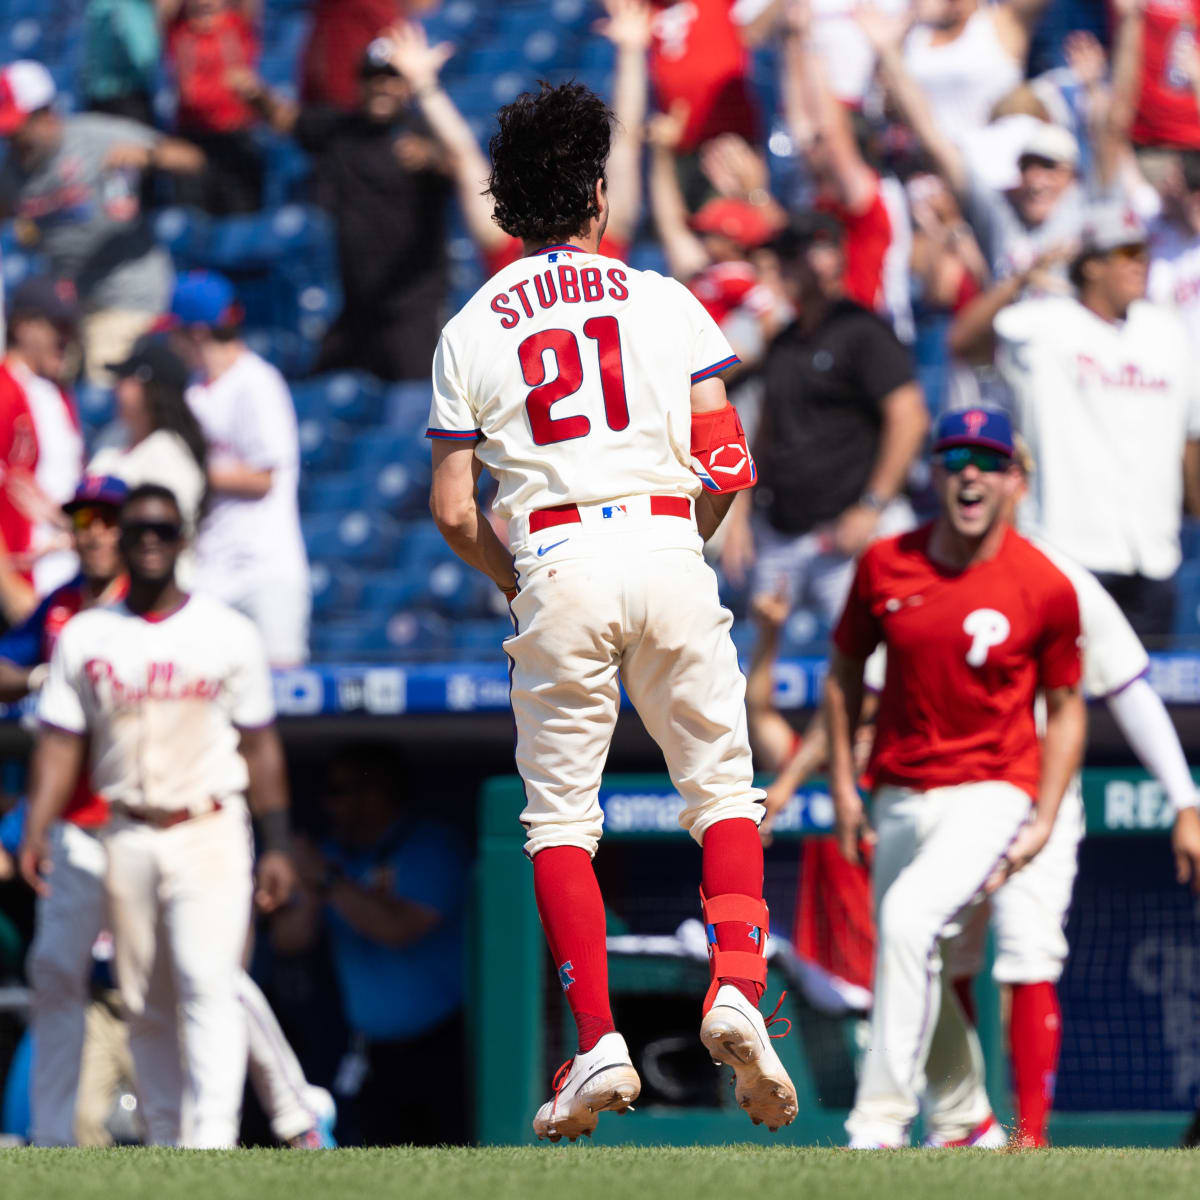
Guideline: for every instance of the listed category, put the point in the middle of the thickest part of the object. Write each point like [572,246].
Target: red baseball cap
[25,87]
[741,222]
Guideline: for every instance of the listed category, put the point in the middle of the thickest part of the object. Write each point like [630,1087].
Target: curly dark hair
[547,155]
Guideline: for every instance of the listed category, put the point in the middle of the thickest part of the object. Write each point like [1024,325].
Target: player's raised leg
[696,713]
[299,1113]
[60,960]
[565,699]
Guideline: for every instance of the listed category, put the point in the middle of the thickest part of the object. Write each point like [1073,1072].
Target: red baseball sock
[733,862]
[572,912]
[1035,1038]
[964,989]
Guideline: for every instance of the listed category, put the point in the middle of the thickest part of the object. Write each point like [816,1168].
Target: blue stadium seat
[480,638]
[358,537]
[400,489]
[344,491]
[97,405]
[417,635]
[336,589]
[351,396]
[375,448]
[388,591]
[453,588]
[186,233]
[262,239]
[406,406]
[325,445]
[1189,538]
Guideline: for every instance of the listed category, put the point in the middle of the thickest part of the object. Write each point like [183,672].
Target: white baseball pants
[180,903]
[1029,913]
[936,850]
[624,598]
[66,925]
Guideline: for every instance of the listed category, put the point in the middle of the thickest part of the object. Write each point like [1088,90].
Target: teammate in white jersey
[169,698]
[591,392]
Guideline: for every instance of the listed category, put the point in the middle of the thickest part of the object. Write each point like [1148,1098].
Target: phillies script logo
[1127,375]
[162,681]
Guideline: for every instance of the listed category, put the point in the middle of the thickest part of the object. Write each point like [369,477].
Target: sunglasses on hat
[958,458]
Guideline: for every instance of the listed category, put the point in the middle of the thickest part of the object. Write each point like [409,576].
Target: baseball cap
[202,298]
[41,296]
[25,86]
[1051,142]
[97,489]
[152,358]
[1109,227]
[741,222]
[377,59]
[988,427]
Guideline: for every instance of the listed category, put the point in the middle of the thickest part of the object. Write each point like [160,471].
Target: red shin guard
[734,913]
[572,912]
[1035,1037]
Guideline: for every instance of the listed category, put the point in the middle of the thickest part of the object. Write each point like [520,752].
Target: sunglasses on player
[1134,251]
[86,517]
[162,531]
[958,458]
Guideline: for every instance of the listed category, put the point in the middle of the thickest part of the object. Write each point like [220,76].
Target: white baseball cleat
[602,1080]
[859,1142]
[989,1134]
[734,1033]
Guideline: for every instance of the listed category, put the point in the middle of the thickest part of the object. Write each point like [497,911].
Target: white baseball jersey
[569,367]
[161,700]
[247,414]
[1107,409]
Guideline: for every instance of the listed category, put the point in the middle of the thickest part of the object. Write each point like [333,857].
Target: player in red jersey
[975,621]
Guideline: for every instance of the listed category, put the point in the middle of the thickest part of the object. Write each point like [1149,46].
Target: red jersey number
[545,393]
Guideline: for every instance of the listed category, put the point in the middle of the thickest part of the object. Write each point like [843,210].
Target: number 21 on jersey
[568,379]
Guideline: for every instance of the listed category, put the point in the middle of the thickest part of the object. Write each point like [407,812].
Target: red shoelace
[776,1019]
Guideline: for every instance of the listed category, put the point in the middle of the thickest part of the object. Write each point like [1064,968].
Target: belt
[160,818]
[568,514]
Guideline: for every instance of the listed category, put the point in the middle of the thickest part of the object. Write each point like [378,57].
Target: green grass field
[598,1173]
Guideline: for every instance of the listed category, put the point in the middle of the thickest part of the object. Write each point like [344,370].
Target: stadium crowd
[236,228]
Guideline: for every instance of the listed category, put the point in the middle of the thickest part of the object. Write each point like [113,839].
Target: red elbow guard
[720,455]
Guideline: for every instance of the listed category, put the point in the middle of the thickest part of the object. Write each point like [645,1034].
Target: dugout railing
[520,1027]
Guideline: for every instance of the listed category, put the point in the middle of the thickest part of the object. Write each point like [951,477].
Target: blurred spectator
[73,183]
[41,323]
[700,64]
[18,462]
[211,45]
[122,49]
[390,887]
[1047,207]
[249,550]
[1107,394]
[1175,244]
[628,28]
[965,56]
[711,251]
[160,440]
[382,178]
[340,34]
[844,184]
[843,418]
[1156,80]
[948,268]
[848,56]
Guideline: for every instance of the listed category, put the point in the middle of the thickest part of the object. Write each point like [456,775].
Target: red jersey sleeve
[858,631]
[1060,661]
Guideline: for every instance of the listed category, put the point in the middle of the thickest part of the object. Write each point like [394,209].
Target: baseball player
[591,393]
[975,620]
[169,698]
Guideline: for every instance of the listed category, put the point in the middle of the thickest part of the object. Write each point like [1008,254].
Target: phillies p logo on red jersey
[987,628]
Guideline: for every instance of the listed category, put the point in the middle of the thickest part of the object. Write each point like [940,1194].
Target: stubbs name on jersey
[559,284]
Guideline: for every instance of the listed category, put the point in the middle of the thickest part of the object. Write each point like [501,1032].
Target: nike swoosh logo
[543,549]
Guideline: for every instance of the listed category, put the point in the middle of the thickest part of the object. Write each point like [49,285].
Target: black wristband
[275,832]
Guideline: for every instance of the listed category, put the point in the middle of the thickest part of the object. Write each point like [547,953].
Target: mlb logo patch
[613,510]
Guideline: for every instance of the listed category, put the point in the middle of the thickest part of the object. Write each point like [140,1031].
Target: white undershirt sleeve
[1143,719]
